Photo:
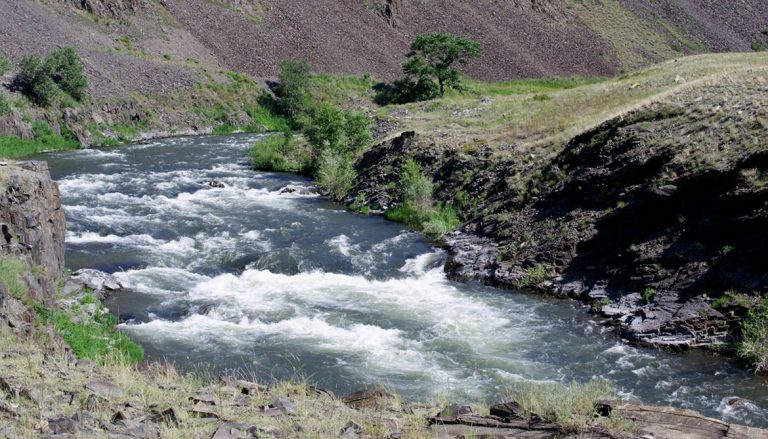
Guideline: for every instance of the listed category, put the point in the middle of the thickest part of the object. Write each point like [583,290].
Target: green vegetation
[45,140]
[223,129]
[293,88]
[35,80]
[649,294]
[534,276]
[66,70]
[5,65]
[345,132]
[570,407]
[11,270]
[5,105]
[279,153]
[334,136]
[759,45]
[753,346]
[90,330]
[41,81]
[418,209]
[335,174]
[429,69]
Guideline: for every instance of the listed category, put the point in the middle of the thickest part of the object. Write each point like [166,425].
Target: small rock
[167,416]
[63,426]
[203,410]
[456,410]
[285,406]
[205,398]
[367,398]
[216,184]
[104,389]
[234,430]
[351,431]
[93,403]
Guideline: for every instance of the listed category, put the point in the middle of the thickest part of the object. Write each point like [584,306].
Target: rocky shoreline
[657,233]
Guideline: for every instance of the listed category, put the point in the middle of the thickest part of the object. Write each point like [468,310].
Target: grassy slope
[540,119]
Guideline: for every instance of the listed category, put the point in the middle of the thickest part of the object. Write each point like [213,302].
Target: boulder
[96,280]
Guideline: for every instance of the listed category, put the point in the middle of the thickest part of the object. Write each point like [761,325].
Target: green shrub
[5,105]
[534,276]
[223,129]
[326,128]
[649,294]
[11,270]
[759,45]
[571,408]
[35,80]
[293,89]
[5,65]
[442,220]
[66,70]
[268,154]
[335,174]
[416,187]
[753,346]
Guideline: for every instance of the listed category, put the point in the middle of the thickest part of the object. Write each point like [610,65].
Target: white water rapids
[267,276]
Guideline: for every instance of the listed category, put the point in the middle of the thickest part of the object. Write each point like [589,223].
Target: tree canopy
[433,56]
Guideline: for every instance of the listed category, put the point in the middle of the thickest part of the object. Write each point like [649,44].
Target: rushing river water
[265,275]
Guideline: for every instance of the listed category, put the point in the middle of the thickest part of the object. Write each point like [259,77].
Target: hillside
[150,46]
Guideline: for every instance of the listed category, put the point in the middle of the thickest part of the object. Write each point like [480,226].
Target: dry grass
[35,363]
[535,122]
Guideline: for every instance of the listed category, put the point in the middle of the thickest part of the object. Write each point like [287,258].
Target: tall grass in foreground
[570,407]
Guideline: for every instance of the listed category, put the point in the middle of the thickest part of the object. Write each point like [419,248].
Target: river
[264,275]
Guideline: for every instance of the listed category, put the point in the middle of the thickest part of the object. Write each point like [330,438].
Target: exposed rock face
[648,217]
[110,8]
[32,223]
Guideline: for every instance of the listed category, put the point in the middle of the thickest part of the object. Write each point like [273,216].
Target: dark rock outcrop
[649,218]
[32,223]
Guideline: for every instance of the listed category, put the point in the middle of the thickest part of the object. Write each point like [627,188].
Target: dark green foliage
[293,89]
[67,72]
[329,127]
[41,80]
[753,346]
[759,45]
[5,65]
[406,90]
[35,80]
[433,56]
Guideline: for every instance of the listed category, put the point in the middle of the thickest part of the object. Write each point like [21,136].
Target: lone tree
[432,58]
[293,88]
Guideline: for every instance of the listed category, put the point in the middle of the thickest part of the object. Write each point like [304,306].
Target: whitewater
[264,275]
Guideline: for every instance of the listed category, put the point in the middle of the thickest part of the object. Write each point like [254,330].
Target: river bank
[49,391]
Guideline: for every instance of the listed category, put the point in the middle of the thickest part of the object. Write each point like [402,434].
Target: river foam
[248,270]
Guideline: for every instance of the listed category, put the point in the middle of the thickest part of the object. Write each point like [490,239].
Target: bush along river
[229,268]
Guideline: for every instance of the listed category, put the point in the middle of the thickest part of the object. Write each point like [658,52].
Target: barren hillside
[155,46]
